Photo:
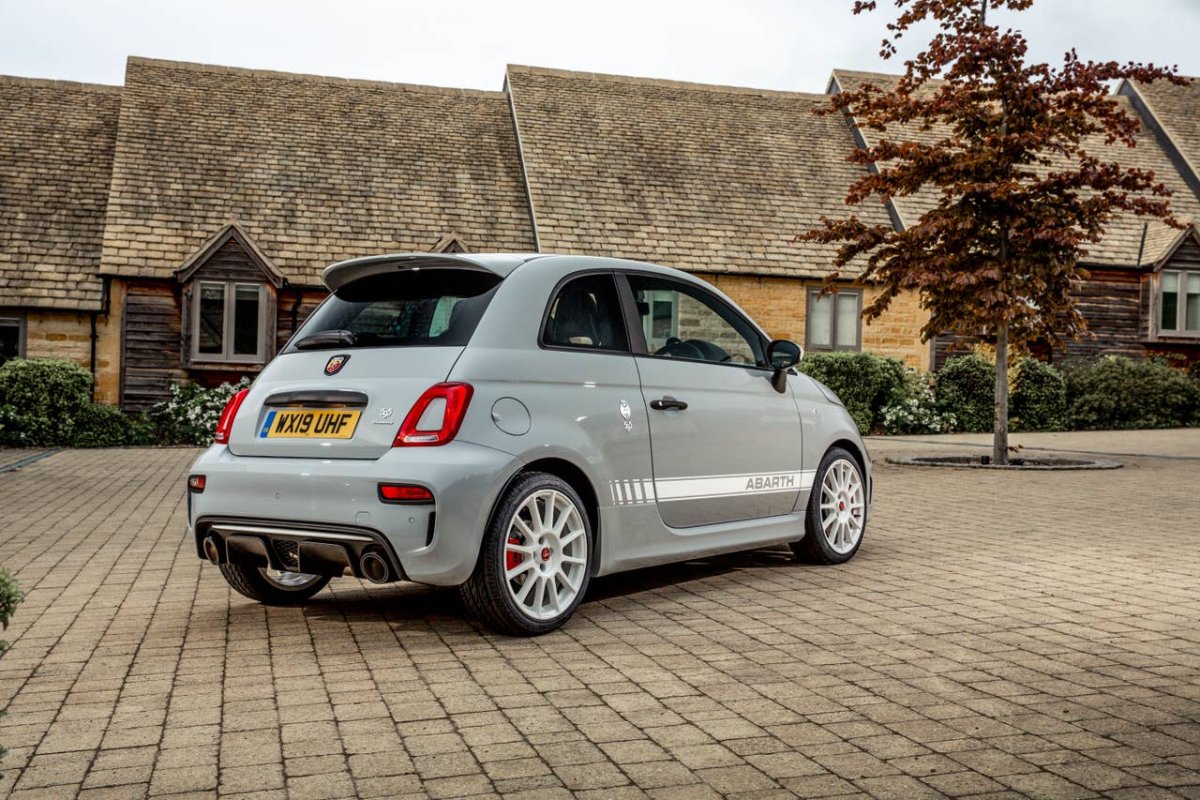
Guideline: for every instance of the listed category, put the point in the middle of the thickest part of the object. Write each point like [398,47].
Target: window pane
[820,320]
[1169,319]
[1192,309]
[10,338]
[687,322]
[245,320]
[847,320]
[433,307]
[586,313]
[210,339]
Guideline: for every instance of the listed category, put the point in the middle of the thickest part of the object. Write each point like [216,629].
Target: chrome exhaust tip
[211,551]
[374,567]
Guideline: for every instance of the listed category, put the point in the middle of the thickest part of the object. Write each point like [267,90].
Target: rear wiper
[325,339]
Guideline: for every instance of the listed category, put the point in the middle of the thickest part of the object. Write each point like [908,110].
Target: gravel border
[1023,463]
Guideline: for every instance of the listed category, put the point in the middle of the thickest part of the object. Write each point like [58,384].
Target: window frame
[22,330]
[553,296]
[1180,332]
[227,356]
[813,294]
[637,339]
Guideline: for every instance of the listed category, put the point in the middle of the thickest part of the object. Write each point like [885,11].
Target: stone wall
[780,305]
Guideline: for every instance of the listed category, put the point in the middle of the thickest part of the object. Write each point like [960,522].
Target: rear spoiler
[338,275]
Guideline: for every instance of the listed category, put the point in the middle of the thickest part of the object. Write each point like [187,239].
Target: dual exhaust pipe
[372,563]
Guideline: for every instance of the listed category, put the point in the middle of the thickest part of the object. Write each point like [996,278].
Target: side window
[686,322]
[12,337]
[228,321]
[834,321]
[586,314]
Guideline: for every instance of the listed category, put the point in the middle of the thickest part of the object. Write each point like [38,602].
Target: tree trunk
[1000,429]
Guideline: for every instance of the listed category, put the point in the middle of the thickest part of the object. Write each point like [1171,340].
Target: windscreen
[406,308]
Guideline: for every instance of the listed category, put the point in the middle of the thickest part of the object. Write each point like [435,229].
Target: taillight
[196,483]
[225,423]
[404,493]
[436,416]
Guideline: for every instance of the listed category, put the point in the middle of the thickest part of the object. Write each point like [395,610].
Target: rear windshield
[410,308]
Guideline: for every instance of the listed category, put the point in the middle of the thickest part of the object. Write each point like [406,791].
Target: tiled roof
[703,178]
[56,144]
[1177,111]
[314,169]
[1121,245]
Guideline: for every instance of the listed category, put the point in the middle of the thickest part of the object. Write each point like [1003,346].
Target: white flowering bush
[913,409]
[190,415]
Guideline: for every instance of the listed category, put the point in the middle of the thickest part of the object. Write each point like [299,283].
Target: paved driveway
[1032,634]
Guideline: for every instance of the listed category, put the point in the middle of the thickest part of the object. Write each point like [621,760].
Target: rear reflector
[404,493]
[436,416]
[196,483]
[225,423]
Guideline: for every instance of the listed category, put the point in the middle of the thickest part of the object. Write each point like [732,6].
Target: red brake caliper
[511,559]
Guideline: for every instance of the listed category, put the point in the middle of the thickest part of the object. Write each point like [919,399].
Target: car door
[725,445]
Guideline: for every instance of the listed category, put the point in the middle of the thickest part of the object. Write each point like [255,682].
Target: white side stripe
[641,490]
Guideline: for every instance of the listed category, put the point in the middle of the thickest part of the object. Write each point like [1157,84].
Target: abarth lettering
[760,482]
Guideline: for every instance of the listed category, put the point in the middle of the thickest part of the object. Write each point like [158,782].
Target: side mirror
[782,355]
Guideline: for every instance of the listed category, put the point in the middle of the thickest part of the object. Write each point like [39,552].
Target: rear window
[417,308]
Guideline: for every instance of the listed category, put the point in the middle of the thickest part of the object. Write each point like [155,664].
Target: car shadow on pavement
[433,606]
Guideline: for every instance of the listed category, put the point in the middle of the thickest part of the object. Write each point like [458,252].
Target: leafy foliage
[964,389]
[1006,150]
[99,425]
[43,398]
[864,383]
[10,597]
[190,416]
[915,408]
[1115,393]
[1039,397]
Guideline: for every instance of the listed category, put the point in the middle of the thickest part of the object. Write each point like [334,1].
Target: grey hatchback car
[515,425]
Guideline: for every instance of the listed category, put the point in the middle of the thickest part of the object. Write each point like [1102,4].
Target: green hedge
[1039,397]
[48,403]
[865,383]
[966,389]
[1115,393]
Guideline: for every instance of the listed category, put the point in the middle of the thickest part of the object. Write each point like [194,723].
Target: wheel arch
[851,448]
[578,480]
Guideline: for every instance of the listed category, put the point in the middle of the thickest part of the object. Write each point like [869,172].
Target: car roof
[338,275]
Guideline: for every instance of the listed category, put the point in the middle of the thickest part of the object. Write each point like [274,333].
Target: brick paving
[999,635]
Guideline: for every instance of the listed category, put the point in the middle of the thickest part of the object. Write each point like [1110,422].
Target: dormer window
[1179,303]
[229,321]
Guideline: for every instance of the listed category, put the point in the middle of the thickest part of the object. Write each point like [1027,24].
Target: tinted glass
[1170,301]
[686,322]
[245,320]
[10,339]
[430,308]
[211,335]
[586,314]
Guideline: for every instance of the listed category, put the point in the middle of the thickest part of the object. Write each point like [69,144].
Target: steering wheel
[679,349]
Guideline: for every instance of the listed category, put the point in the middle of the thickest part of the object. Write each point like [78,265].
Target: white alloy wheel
[843,506]
[545,554]
[288,581]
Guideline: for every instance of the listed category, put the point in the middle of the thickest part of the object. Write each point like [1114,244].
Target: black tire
[252,583]
[815,548]
[486,593]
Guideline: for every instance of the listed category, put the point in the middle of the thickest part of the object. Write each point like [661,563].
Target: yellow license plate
[309,423]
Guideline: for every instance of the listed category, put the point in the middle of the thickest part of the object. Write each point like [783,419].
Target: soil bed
[1016,462]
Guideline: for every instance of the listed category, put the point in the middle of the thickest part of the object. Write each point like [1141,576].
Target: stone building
[174,228]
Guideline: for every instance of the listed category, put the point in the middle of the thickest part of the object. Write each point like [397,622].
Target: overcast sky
[776,44]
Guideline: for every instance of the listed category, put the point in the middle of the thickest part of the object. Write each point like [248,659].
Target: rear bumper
[435,543]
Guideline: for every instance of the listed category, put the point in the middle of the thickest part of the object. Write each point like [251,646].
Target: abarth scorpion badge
[626,413]
[334,365]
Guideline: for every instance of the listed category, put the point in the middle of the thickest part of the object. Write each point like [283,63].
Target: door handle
[666,403]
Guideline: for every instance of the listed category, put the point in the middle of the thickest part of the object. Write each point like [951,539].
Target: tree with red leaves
[998,149]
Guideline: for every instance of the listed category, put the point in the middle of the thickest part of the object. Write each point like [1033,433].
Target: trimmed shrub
[1116,393]
[190,416]
[45,395]
[915,409]
[865,383]
[1039,397]
[98,425]
[966,389]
